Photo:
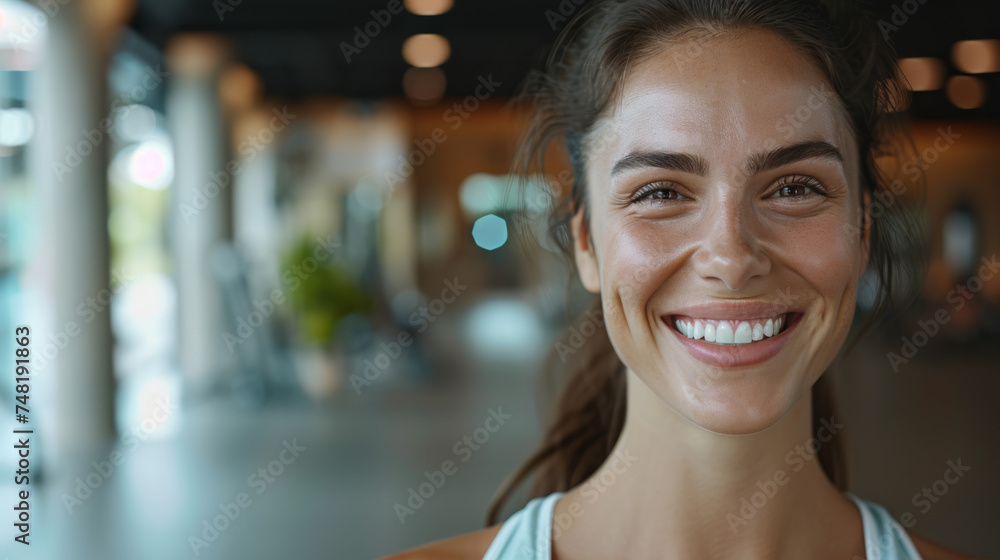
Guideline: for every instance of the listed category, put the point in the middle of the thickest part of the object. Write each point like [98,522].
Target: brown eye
[663,194]
[792,190]
[657,192]
[798,186]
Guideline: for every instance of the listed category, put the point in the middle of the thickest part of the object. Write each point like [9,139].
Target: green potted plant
[320,293]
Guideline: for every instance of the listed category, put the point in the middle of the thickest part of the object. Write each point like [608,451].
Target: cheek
[819,257]
[638,259]
[824,251]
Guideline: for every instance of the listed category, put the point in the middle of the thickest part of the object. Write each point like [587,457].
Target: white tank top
[527,535]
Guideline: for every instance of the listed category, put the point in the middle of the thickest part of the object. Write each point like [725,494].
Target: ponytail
[588,418]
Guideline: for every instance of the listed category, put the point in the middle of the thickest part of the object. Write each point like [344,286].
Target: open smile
[734,338]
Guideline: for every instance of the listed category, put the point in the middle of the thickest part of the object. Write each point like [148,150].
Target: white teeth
[724,333]
[743,333]
[709,332]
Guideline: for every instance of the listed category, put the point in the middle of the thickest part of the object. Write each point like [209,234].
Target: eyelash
[813,185]
[798,180]
[659,186]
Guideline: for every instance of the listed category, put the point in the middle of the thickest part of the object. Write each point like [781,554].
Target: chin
[728,403]
[739,412]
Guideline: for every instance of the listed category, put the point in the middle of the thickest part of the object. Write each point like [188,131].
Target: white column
[70,167]
[201,204]
[255,221]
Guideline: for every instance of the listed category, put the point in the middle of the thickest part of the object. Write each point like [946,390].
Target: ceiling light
[966,92]
[922,74]
[977,57]
[428,7]
[426,50]
[424,84]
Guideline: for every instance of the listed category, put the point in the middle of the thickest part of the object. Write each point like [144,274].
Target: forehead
[730,93]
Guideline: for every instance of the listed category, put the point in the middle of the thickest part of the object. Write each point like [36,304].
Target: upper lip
[736,310]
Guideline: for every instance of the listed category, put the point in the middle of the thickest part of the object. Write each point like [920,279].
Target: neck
[670,486]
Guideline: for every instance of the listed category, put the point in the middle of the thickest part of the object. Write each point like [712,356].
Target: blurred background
[275,279]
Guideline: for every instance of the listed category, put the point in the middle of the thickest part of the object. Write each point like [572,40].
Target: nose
[730,251]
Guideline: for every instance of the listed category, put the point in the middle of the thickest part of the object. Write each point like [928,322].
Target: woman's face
[724,205]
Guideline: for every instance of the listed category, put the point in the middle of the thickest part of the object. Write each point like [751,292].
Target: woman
[723,154]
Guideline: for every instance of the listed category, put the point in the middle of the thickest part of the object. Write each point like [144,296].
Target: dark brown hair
[583,78]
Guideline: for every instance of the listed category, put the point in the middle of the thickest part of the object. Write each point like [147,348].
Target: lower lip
[736,355]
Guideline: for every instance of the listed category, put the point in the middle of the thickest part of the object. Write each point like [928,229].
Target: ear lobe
[866,234]
[583,251]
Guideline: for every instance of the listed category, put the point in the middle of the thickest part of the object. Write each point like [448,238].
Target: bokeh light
[966,92]
[424,84]
[428,7]
[426,50]
[922,74]
[977,57]
[490,232]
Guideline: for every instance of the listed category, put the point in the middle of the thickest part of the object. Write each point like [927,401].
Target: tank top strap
[527,535]
[885,538]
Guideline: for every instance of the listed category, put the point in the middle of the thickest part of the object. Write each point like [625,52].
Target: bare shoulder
[932,551]
[463,547]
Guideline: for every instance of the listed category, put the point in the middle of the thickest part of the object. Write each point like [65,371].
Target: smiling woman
[724,167]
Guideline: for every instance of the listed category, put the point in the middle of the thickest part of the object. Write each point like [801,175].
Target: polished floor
[338,471]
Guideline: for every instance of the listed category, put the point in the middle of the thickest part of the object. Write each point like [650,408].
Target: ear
[866,233]
[583,251]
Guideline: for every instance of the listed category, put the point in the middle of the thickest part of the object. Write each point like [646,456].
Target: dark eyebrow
[664,160]
[763,161]
[791,154]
